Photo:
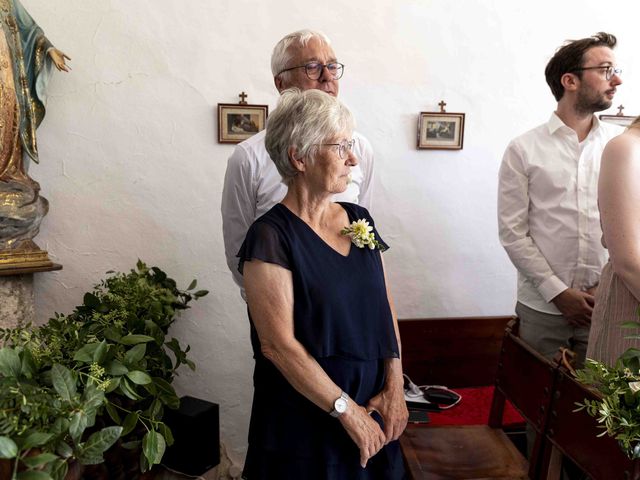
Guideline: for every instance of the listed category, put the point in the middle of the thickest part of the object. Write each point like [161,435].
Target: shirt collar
[555,123]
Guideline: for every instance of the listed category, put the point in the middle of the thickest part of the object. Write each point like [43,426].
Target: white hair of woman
[304,120]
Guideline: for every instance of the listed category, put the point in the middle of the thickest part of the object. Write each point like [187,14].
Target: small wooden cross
[620,108]
[442,105]
[243,96]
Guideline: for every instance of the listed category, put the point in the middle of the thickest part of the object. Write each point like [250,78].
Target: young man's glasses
[610,70]
[314,69]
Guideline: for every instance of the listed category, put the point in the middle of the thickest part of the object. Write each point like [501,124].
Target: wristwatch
[340,405]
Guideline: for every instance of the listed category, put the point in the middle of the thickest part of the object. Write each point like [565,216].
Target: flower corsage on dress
[361,234]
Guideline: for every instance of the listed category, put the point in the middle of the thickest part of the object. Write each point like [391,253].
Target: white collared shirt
[548,210]
[252,185]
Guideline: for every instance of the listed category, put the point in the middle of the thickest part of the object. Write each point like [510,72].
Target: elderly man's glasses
[344,147]
[314,69]
[610,70]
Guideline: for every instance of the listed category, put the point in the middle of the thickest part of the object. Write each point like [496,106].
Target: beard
[591,102]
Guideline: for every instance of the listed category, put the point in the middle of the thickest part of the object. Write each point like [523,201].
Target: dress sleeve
[264,242]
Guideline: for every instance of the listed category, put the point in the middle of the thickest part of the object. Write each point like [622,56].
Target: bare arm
[269,291]
[619,200]
[390,403]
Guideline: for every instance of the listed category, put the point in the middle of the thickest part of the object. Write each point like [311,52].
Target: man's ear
[279,84]
[570,82]
[296,161]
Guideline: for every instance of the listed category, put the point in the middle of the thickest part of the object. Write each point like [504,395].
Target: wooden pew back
[575,434]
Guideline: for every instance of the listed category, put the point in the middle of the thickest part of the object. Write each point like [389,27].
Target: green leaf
[129,423]
[129,389]
[113,413]
[85,354]
[33,475]
[115,368]
[153,446]
[135,339]
[36,439]
[10,364]
[166,433]
[97,444]
[59,469]
[101,352]
[192,285]
[165,387]
[78,425]
[91,301]
[114,383]
[154,409]
[201,293]
[61,425]
[8,448]
[630,325]
[135,354]
[63,382]
[64,450]
[112,334]
[139,378]
[93,397]
[28,366]
[39,460]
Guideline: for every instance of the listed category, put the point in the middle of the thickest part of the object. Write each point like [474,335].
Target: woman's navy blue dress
[342,317]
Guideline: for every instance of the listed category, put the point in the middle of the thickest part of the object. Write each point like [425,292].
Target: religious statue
[27,59]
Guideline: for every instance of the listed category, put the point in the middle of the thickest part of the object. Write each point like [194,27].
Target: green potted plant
[618,410]
[97,379]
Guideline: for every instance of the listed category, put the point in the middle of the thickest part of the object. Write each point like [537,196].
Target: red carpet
[474,409]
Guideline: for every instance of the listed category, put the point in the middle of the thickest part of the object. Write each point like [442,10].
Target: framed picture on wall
[237,122]
[623,120]
[441,130]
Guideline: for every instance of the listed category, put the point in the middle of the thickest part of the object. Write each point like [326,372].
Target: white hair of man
[281,55]
[304,120]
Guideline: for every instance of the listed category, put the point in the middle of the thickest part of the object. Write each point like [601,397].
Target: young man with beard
[547,199]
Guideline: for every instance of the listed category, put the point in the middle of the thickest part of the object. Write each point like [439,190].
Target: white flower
[361,234]
[634,386]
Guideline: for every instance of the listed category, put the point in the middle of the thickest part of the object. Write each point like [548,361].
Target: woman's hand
[58,58]
[363,430]
[391,406]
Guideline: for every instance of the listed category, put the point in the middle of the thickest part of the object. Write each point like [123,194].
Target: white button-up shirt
[548,210]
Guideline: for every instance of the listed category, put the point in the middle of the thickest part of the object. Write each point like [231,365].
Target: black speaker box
[196,432]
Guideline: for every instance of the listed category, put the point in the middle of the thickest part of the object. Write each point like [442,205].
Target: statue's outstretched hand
[58,58]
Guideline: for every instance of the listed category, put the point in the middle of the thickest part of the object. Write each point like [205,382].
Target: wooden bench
[484,451]
[574,434]
[455,351]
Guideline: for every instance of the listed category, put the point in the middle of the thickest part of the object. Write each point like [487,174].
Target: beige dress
[615,305]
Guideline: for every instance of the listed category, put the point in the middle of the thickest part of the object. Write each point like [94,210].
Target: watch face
[340,405]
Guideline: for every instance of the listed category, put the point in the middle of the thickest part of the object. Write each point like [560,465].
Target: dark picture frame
[237,122]
[441,130]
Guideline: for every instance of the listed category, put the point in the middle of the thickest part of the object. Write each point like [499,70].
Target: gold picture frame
[441,130]
[237,122]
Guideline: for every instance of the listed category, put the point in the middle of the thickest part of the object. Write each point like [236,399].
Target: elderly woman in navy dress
[328,400]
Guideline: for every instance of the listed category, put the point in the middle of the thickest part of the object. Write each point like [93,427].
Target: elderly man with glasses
[252,184]
[547,199]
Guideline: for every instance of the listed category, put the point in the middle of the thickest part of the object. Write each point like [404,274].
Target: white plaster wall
[132,168]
